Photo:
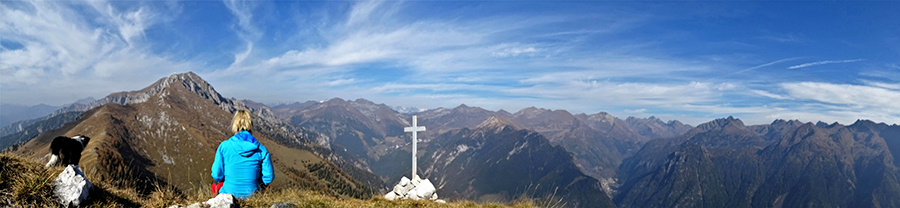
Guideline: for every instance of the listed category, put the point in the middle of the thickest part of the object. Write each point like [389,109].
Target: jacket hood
[245,143]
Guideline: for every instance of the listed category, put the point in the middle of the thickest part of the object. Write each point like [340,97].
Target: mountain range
[785,164]
[168,132]
[357,148]
[13,113]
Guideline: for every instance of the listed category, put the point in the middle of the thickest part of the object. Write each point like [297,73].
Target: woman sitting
[241,162]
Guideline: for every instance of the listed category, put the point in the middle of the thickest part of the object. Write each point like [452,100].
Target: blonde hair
[241,121]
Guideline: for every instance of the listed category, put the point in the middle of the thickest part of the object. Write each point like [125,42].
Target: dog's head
[83,139]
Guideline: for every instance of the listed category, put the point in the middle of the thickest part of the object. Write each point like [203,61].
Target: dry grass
[27,184]
[302,198]
[24,183]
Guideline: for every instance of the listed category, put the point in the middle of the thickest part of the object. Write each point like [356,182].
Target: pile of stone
[413,189]
[71,187]
[220,201]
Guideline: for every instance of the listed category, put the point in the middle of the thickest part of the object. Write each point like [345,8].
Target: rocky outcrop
[71,187]
[413,189]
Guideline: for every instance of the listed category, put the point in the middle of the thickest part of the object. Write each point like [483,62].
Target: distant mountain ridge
[378,142]
[498,162]
[14,113]
[723,163]
[654,128]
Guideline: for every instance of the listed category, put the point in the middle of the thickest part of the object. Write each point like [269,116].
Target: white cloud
[824,62]
[882,85]
[845,94]
[758,67]
[339,82]
[67,42]
[844,102]
[243,12]
[513,52]
[623,94]
[770,95]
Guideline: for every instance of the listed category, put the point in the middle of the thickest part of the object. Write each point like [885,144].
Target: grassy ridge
[27,184]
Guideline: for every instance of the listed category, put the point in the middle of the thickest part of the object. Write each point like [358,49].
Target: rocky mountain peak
[467,109]
[722,123]
[674,123]
[655,119]
[603,116]
[530,112]
[334,102]
[653,127]
[495,122]
[190,81]
[821,124]
[787,122]
[867,125]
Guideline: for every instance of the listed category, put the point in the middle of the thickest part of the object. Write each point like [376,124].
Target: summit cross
[414,129]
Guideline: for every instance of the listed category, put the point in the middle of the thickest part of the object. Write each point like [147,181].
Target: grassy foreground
[25,183]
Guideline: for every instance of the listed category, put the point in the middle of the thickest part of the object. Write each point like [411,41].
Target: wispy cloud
[62,44]
[246,30]
[757,67]
[785,38]
[889,86]
[856,96]
[769,94]
[824,62]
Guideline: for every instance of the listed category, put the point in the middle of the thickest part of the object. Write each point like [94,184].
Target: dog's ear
[85,140]
[57,144]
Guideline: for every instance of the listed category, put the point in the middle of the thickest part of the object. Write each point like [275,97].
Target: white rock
[404,190]
[390,196]
[440,201]
[415,183]
[404,181]
[414,189]
[71,187]
[221,201]
[425,189]
[397,189]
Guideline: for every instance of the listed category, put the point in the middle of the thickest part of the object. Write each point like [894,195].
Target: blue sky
[691,61]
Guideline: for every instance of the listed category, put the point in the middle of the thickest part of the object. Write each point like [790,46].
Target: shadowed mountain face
[359,130]
[497,162]
[597,152]
[168,133]
[726,164]
[653,128]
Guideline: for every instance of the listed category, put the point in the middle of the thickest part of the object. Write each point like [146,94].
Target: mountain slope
[654,128]
[726,164]
[608,124]
[168,134]
[359,130]
[496,161]
[598,153]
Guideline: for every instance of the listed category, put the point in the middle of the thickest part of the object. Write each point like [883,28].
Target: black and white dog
[67,149]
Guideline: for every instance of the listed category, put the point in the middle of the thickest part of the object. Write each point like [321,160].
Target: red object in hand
[215,187]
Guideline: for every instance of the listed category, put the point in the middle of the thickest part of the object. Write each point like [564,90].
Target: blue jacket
[241,162]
